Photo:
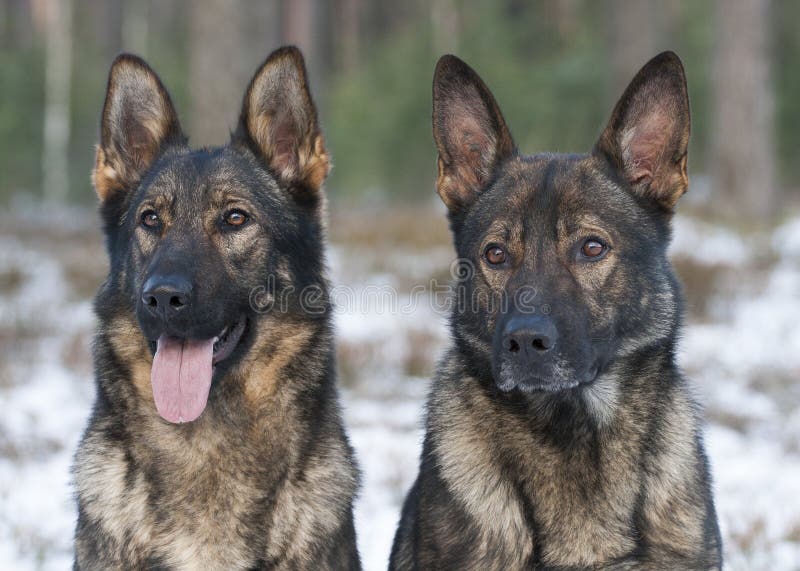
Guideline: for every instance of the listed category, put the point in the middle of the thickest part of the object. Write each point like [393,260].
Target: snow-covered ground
[741,347]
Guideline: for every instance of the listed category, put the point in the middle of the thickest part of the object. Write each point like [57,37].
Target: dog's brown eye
[150,218]
[593,248]
[495,255]
[235,218]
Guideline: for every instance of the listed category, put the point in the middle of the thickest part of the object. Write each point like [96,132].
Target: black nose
[164,296]
[529,336]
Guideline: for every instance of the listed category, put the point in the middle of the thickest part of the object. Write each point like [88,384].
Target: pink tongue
[181,378]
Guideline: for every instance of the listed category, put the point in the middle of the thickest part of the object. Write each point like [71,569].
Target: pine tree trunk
[302,27]
[446,26]
[349,34]
[58,71]
[632,41]
[742,140]
[217,77]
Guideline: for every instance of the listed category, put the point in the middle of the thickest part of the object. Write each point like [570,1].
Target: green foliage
[693,41]
[379,119]
[21,103]
[786,73]
[551,88]
[552,85]
[550,73]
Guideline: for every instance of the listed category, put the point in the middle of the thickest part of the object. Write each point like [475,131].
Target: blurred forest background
[556,66]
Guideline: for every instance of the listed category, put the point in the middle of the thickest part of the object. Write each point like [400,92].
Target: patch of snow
[707,244]
[786,239]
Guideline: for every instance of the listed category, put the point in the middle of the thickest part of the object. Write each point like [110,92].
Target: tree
[58,71]
[227,40]
[302,26]
[631,34]
[742,135]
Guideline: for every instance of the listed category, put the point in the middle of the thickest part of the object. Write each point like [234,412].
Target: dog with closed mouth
[560,432]
[216,439]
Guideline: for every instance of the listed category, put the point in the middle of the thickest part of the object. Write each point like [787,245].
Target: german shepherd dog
[560,432]
[216,439]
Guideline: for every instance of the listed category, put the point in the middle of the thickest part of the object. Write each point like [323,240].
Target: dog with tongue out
[216,439]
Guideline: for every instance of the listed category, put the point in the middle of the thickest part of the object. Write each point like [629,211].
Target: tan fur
[132,348]
[212,491]
[305,512]
[100,478]
[139,107]
[676,515]
[590,511]
[469,149]
[274,348]
[289,139]
[473,476]
[602,399]
[104,178]
[587,507]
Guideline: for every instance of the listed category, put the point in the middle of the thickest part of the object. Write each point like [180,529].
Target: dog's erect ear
[648,134]
[138,122]
[470,133]
[279,123]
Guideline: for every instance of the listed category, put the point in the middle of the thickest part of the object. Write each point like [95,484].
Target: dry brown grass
[18,339]
[701,284]
[76,353]
[420,359]
[739,423]
[352,360]
[361,360]
[415,227]
[793,534]
[85,275]
[30,449]
[748,539]
[11,280]
[6,373]
[76,242]
[779,384]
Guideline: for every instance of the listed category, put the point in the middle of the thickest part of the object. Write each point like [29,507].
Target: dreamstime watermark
[457,295]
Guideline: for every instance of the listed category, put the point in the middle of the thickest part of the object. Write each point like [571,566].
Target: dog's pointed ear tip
[129,61]
[289,59]
[667,62]
[130,69]
[449,60]
[668,56]
[283,55]
[449,67]
[289,50]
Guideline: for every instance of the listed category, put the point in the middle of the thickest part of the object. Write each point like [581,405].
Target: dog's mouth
[534,384]
[227,340]
[183,369]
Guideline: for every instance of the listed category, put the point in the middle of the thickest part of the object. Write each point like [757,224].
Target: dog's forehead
[210,176]
[554,191]
[542,182]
